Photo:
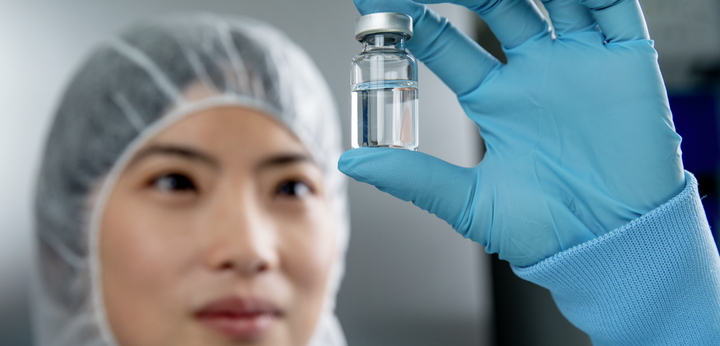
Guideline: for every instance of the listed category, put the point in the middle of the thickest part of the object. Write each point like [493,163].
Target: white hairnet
[129,89]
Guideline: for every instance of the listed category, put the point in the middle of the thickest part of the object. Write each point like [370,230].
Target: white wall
[686,34]
[411,279]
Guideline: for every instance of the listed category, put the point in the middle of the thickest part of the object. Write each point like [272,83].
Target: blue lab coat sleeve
[654,281]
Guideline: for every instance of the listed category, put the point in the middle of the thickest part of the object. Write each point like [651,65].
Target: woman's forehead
[230,133]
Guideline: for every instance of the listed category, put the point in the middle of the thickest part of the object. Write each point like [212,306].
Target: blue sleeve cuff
[654,281]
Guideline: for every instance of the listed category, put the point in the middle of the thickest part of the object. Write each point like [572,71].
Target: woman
[189,195]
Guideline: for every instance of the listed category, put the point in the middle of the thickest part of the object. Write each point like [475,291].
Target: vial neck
[384,41]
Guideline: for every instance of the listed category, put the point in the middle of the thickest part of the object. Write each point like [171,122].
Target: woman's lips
[238,318]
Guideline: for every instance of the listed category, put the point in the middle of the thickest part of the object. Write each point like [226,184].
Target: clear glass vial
[384,84]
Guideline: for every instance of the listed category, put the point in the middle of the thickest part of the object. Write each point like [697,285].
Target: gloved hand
[578,132]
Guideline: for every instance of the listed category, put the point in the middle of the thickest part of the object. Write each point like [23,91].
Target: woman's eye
[294,189]
[174,183]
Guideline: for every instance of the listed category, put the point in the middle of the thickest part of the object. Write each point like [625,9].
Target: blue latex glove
[577,128]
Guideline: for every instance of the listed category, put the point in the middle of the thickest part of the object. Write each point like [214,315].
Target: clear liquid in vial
[385,114]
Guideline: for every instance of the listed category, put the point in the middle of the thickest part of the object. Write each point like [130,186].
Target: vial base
[384,114]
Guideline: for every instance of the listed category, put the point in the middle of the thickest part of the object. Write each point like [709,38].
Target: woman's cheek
[309,247]
[308,252]
[145,240]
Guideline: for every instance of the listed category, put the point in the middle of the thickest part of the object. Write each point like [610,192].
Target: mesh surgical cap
[131,88]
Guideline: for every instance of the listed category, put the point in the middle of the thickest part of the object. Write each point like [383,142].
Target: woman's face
[218,232]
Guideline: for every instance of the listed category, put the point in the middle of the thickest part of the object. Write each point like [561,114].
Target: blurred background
[411,280]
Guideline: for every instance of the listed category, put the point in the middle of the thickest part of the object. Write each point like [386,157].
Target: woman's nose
[242,240]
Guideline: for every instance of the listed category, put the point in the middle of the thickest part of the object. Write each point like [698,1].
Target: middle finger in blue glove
[619,20]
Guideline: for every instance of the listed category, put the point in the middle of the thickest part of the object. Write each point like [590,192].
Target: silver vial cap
[383,22]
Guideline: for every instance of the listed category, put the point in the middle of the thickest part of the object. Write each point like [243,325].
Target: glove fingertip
[408,7]
[356,162]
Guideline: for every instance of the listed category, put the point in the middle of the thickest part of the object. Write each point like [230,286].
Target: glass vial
[384,84]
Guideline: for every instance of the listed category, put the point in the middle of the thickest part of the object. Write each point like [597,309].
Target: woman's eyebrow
[283,160]
[175,150]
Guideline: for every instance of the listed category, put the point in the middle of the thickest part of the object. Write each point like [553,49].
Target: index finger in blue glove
[434,185]
[459,62]
[512,21]
[619,21]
